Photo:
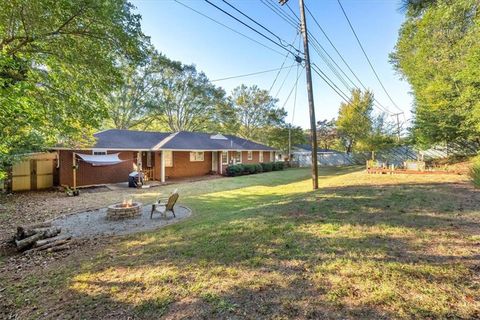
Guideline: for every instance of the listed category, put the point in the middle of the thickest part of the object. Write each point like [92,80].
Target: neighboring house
[159,155]
[302,155]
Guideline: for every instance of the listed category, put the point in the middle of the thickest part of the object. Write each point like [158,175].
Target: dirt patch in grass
[266,246]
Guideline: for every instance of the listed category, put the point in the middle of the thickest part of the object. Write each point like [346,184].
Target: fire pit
[124,210]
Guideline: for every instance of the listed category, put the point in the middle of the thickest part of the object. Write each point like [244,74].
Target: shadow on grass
[345,252]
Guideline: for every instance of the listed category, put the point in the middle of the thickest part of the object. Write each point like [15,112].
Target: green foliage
[438,52]
[278,166]
[129,106]
[255,111]
[277,136]
[266,167]
[58,61]
[249,168]
[187,101]
[354,121]
[475,172]
[235,170]
[258,168]
[327,135]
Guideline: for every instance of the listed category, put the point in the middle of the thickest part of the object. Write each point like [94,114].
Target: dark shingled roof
[127,139]
[183,140]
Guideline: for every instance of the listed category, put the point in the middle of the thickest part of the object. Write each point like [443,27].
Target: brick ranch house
[161,156]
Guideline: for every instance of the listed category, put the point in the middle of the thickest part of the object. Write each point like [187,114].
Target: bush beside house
[243,169]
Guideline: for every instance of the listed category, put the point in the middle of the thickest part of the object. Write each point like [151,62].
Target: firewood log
[43,242]
[41,233]
[51,244]
[26,231]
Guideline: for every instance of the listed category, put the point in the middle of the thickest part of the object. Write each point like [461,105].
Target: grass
[267,246]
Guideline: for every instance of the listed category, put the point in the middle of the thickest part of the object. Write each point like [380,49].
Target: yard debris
[40,236]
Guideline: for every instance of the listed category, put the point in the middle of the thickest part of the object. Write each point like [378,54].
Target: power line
[281,14]
[343,60]
[283,63]
[229,28]
[260,25]
[252,74]
[248,26]
[366,56]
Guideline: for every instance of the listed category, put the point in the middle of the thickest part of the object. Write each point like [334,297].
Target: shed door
[21,176]
[32,174]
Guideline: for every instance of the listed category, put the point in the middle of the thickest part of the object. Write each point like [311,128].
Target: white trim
[221,158]
[102,150]
[164,141]
[235,157]
[249,155]
[260,156]
[162,166]
[195,153]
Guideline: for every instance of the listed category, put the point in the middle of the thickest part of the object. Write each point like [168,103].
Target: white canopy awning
[100,160]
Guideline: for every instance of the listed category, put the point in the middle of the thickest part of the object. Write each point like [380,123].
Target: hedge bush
[278,166]
[266,167]
[235,170]
[250,169]
[241,169]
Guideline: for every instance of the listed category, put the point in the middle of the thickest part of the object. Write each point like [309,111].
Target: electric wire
[260,25]
[252,74]
[366,56]
[229,28]
[281,14]
[248,26]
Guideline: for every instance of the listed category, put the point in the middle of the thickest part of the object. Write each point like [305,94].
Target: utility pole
[398,124]
[311,105]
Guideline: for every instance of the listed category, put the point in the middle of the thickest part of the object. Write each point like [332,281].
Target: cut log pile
[39,237]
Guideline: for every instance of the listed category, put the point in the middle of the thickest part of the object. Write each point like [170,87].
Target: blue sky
[186,36]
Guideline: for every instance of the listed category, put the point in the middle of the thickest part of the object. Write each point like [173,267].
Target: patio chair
[168,206]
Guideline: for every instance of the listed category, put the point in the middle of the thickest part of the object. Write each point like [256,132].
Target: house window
[261,156]
[196,156]
[149,159]
[271,157]
[99,152]
[238,157]
[224,157]
[168,158]
[250,155]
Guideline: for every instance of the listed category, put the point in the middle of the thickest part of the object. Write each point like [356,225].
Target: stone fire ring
[119,211]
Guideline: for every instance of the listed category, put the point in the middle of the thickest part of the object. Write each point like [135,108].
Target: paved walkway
[94,223]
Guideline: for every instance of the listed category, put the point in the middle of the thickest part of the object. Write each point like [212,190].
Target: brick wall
[183,167]
[91,175]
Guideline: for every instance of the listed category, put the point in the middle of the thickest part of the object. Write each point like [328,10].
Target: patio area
[95,223]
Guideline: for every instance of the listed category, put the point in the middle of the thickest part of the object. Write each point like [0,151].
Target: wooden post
[162,166]
[74,172]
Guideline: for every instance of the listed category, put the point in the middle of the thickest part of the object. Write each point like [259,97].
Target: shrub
[235,170]
[475,172]
[250,169]
[266,167]
[279,166]
[258,168]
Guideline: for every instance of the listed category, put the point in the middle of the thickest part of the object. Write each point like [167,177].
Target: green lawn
[267,246]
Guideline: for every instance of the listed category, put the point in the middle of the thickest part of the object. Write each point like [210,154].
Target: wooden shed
[34,171]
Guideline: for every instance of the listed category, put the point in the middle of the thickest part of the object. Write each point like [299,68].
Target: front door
[214,161]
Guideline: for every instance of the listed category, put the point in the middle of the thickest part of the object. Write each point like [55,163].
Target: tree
[129,106]
[278,136]
[187,100]
[438,52]
[354,123]
[255,110]
[58,61]
[327,133]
